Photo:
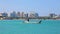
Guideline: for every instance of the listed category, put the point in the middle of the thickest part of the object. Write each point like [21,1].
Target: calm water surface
[17,27]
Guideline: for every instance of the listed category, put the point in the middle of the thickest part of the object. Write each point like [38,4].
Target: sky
[42,7]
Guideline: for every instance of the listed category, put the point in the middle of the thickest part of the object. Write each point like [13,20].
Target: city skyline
[43,7]
[19,14]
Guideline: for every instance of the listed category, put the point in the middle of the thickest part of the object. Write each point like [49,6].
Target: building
[52,15]
[18,14]
[26,15]
[4,14]
[13,14]
[36,15]
[0,14]
[33,14]
[21,14]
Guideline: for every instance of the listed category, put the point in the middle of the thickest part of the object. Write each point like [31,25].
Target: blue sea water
[17,27]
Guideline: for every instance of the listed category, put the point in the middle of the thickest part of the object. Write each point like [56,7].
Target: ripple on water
[17,27]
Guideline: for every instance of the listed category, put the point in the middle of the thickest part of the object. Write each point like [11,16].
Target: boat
[33,21]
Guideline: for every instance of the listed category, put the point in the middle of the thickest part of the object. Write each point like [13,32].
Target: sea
[18,27]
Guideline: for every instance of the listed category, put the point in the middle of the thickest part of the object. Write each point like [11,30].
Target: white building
[33,14]
[21,14]
[0,14]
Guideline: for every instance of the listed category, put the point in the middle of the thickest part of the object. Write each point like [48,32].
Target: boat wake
[35,22]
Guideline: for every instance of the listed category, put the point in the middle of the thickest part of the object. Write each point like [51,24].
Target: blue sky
[43,7]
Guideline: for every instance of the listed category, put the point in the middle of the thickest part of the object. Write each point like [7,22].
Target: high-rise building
[0,14]
[36,15]
[52,15]
[4,14]
[13,14]
[18,14]
[21,14]
[33,14]
[26,15]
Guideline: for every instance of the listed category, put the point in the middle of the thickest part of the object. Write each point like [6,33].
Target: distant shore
[17,18]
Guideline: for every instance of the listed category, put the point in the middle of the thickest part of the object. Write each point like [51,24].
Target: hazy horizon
[42,7]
